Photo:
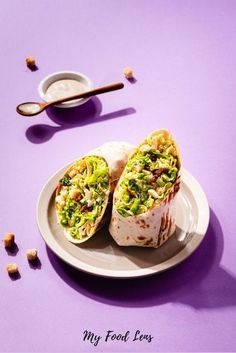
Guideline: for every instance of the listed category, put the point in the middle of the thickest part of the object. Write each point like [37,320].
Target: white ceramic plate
[100,255]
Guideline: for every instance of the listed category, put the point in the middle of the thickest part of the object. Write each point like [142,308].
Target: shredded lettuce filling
[149,176]
[82,195]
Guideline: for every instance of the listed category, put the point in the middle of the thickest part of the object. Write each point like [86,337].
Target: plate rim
[201,228]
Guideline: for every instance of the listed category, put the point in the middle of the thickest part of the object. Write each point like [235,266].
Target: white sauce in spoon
[64,88]
[29,108]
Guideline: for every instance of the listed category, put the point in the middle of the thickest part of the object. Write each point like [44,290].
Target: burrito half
[143,199]
[82,195]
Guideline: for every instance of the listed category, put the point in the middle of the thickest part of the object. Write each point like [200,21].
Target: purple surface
[183,54]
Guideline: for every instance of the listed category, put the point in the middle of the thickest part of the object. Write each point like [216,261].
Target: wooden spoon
[34,108]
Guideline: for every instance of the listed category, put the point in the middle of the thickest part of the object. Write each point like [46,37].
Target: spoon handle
[94,92]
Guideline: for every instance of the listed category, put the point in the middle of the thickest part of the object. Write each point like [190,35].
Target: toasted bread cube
[30,61]
[32,254]
[128,72]
[12,268]
[9,240]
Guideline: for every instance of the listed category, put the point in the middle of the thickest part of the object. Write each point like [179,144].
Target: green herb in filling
[65,181]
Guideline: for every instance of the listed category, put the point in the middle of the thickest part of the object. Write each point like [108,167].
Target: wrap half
[83,193]
[143,200]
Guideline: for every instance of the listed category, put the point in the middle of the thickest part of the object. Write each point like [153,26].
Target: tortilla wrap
[83,193]
[143,201]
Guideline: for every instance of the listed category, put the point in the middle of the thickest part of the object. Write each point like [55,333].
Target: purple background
[184,57]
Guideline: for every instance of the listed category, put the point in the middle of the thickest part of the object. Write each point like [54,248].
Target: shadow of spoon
[89,113]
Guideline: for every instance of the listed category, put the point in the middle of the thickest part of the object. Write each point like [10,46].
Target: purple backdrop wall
[183,54]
